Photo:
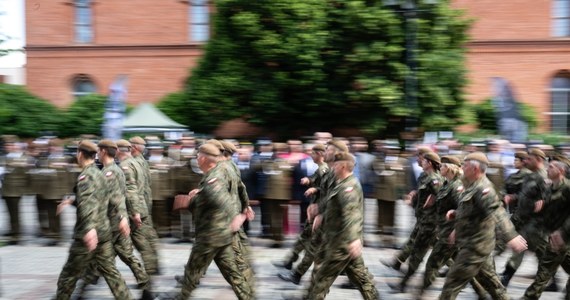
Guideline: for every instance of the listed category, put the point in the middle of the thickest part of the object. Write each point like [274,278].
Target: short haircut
[111,152]
[87,154]
[481,166]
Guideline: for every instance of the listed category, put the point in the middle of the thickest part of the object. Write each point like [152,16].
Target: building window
[199,16]
[560,91]
[561,18]
[83,21]
[82,85]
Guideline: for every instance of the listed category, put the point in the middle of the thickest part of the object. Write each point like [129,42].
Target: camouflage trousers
[302,243]
[224,257]
[313,252]
[406,250]
[548,263]
[142,238]
[337,260]
[536,243]
[244,263]
[469,264]
[123,248]
[423,241]
[79,259]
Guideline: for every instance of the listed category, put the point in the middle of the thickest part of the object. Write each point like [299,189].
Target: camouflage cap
[123,144]
[319,147]
[344,156]
[537,152]
[209,149]
[521,155]
[432,156]
[339,144]
[478,156]
[87,145]
[107,144]
[137,140]
[216,143]
[451,160]
[228,147]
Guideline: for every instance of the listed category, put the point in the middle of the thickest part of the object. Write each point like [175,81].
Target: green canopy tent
[146,118]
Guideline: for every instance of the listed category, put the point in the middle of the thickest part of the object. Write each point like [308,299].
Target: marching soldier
[92,233]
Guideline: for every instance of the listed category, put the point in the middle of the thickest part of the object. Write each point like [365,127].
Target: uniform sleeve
[117,207]
[243,197]
[352,214]
[133,200]
[533,189]
[88,205]
[492,206]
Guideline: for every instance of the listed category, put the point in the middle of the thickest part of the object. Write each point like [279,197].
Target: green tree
[84,116]
[24,114]
[486,115]
[299,66]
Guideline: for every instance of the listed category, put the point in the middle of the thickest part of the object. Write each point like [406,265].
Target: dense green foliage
[299,66]
[84,116]
[486,116]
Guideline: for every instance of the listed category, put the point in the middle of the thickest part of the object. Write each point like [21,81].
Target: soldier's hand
[538,205]
[124,227]
[312,211]
[430,201]
[181,201]
[450,215]
[518,244]
[310,191]
[137,220]
[556,240]
[305,181]
[193,193]
[451,238]
[236,223]
[355,248]
[250,214]
[91,240]
[317,222]
[65,202]
[509,199]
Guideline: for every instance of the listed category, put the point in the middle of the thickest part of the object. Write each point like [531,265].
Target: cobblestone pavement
[30,271]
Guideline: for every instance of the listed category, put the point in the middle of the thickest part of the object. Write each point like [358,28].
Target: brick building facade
[79,46]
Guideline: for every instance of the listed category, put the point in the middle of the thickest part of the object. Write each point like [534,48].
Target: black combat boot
[147,295]
[293,277]
[283,264]
[552,287]
[507,275]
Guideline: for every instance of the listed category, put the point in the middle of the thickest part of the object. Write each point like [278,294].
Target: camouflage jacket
[115,191]
[134,185]
[479,212]
[447,200]
[557,209]
[534,188]
[513,183]
[317,177]
[213,210]
[92,205]
[324,190]
[344,216]
[429,185]
[145,173]
[236,188]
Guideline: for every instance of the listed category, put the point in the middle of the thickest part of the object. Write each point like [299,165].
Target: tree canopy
[300,66]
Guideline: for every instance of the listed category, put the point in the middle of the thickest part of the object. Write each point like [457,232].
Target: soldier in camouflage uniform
[343,222]
[212,210]
[137,150]
[551,215]
[478,214]
[304,239]
[315,252]
[423,202]
[92,232]
[524,218]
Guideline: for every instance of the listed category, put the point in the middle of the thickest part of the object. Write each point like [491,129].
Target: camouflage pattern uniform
[213,212]
[147,230]
[478,214]
[115,190]
[343,222]
[552,217]
[91,213]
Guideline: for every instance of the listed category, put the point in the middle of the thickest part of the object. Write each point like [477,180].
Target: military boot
[507,275]
[283,264]
[147,295]
[396,264]
[292,276]
[552,287]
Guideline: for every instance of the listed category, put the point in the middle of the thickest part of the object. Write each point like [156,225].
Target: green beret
[521,155]
[339,144]
[123,144]
[432,156]
[107,144]
[478,156]
[344,156]
[451,160]
[537,152]
[319,147]
[228,147]
[87,145]
[209,149]
[137,140]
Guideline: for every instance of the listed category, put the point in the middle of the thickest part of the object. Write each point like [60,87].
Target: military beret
[123,143]
[228,147]
[521,155]
[478,156]
[561,158]
[432,156]
[344,156]
[107,143]
[87,145]
[319,147]
[339,144]
[537,152]
[137,140]
[451,160]
[216,143]
[209,149]
[422,150]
